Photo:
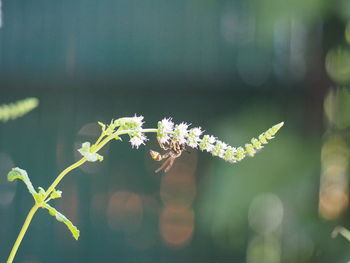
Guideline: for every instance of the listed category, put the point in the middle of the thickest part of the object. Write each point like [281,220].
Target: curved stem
[22,233]
[83,160]
[100,138]
[62,174]
[98,145]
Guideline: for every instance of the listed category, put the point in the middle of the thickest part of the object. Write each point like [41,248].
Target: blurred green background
[234,67]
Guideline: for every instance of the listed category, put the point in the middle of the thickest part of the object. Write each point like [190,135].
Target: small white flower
[137,120]
[167,124]
[182,128]
[137,139]
[249,149]
[240,154]
[197,131]
[127,123]
[207,143]
[211,139]
[223,151]
[193,137]
[219,149]
[165,128]
[181,132]
[230,154]
[256,144]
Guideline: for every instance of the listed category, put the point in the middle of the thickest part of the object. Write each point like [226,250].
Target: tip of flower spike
[278,126]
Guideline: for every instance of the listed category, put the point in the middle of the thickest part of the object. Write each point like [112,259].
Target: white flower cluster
[193,137]
[165,128]
[181,133]
[136,137]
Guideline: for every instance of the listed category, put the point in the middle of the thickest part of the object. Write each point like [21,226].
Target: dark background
[233,67]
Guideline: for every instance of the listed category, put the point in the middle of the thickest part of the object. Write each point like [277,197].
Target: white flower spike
[137,140]
[138,121]
[193,137]
[207,143]
[181,132]
[165,128]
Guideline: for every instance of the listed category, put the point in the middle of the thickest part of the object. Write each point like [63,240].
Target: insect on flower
[174,150]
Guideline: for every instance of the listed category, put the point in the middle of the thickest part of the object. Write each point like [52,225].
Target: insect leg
[171,162]
[165,148]
[165,164]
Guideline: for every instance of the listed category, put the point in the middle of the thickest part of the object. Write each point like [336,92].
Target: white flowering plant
[173,138]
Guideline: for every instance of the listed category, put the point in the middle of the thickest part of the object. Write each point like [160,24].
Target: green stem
[62,174]
[83,160]
[100,138]
[22,233]
[98,145]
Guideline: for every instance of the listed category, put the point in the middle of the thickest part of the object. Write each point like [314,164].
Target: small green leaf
[17,173]
[61,218]
[99,157]
[103,126]
[85,151]
[56,194]
[38,198]
[41,190]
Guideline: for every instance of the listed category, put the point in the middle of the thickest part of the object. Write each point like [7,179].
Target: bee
[174,150]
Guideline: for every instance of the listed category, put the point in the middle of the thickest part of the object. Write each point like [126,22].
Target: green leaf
[85,151]
[103,126]
[56,194]
[17,173]
[41,191]
[61,218]
[117,138]
[39,197]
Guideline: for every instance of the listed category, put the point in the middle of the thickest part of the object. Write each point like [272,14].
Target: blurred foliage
[230,189]
[270,13]
[17,109]
[334,183]
[347,32]
[343,8]
[337,107]
[338,65]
